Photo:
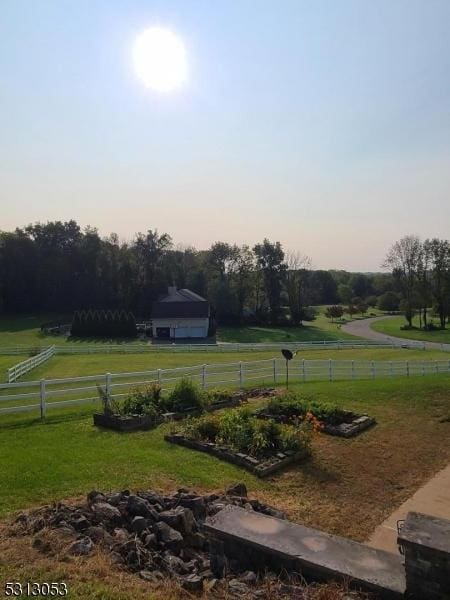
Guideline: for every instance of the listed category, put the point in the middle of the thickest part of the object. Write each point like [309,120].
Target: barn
[180,314]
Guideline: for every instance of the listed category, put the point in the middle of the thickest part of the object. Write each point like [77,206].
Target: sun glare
[159,59]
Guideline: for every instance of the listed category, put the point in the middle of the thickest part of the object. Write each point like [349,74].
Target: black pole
[287,374]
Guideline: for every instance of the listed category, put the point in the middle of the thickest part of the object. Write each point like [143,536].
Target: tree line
[422,272]
[60,267]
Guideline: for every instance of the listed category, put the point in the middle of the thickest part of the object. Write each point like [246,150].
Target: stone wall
[426,541]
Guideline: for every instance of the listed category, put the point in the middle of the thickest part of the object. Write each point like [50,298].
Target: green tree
[270,259]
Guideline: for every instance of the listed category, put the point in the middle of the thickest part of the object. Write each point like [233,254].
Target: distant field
[85,364]
[392,327]
[25,331]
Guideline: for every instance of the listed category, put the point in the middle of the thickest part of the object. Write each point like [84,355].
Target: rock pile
[146,533]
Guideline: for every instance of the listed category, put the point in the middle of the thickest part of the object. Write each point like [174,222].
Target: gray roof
[183,295]
[178,304]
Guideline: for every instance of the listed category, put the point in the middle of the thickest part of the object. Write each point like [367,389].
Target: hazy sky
[322,124]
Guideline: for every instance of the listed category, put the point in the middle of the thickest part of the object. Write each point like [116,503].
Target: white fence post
[42,398]
[159,376]
[108,386]
[407,368]
[275,370]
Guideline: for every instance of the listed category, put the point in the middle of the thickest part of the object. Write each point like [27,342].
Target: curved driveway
[363,328]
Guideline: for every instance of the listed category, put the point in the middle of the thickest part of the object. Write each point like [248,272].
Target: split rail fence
[49,394]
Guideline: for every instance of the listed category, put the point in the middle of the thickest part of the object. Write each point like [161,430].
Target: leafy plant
[204,428]
[143,401]
[187,394]
[218,395]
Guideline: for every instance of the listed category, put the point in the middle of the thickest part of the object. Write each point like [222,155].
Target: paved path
[431,499]
[363,328]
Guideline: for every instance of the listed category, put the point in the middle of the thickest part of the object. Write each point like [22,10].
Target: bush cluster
[291,406]
[103,323]
[243,432]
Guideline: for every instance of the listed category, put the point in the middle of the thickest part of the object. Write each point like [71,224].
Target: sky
[322,124]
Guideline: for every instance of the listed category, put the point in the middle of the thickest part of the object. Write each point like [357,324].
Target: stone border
[260,468]
[125,423]
[358,424]
[195,412]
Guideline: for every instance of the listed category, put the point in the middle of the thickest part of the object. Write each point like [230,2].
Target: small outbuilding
[180,314]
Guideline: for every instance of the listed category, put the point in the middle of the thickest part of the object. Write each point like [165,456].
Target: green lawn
[392,327]
[87,364]
[347,487]
[25,331]
[66,456]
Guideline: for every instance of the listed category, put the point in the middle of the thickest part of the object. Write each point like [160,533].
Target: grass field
[87,364]
[25,331]
[348,486]
[392,327]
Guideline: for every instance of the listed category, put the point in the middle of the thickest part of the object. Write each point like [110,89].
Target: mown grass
[25,331]
[93,364]
[392,327]
[348,487]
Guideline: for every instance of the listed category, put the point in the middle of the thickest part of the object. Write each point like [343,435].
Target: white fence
[28,365]
[48,394]
[221,347]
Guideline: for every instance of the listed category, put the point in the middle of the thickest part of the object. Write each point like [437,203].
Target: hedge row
[101,323]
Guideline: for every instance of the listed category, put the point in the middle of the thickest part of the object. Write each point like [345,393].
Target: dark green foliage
[143,401]
[103,323]
[292,406]
[241,431]
[187,394]
[218,395]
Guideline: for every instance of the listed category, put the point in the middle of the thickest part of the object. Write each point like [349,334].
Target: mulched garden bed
[351,424]
[126,423]
[261,467]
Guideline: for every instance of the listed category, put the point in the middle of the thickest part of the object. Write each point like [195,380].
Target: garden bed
[352,425]
[261,467]
[125,422]
[195,411]
[292,409]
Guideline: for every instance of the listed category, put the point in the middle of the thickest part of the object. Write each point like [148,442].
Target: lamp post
[288,355]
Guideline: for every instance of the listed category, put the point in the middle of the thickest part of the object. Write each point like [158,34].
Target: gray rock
[81,547]
[193,583]
[169,537]
[139,524]
[79,523]
[179,518]
[196,505]
[105,512]
[95,496]
[138,507]
[175,565]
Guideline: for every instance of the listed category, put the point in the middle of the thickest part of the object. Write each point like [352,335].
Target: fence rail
[44,395]
[28,365]
[221,347]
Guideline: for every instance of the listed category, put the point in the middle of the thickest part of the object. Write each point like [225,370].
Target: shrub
[143,401]
[241,431]
[217,395]
[204,428]
[291,406]
[187,394]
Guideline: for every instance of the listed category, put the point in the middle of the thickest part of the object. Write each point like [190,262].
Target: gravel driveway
[363,328]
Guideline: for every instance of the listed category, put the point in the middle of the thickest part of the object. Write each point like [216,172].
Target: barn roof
[180,304]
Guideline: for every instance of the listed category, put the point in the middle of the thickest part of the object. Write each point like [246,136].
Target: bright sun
[160,60]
